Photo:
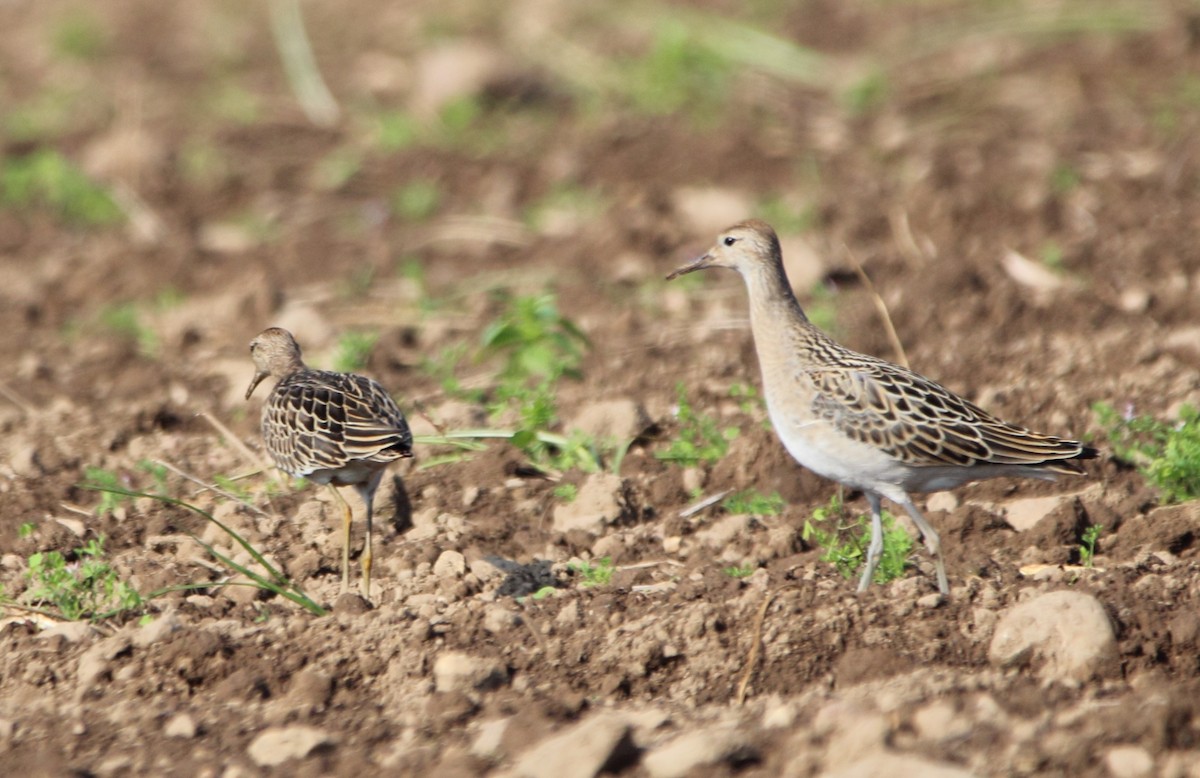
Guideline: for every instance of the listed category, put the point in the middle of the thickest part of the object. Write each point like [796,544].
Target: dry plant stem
[22,404]
[756,645]
[211,487]
[287,24]
[236,442]
[902,234]
[419,407]
[901,356]
[696,507]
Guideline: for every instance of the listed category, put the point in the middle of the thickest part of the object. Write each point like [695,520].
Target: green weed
[416,201]
[820,308]
[46,115]
[1064,179]
[46,179]
[754,503]
[534,339]
[353,351]
[157,473]
[123,319]
[785,217]
[739,571]
[26,530]
[234,103]
[79,36]
[443,367]
[269,579]
[571,200]
[566,492]
[844,538]
[85,588]
[597,573]
[396,131]
[1168,455]
[202,164]
[335,169]
[457,118]
[699,438]
[747,396]
[867,93]
[1087,545]
[680,72]
[1052,255]
[110,486]
[232,486]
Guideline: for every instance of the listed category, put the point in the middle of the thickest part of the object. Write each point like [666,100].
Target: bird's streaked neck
[771,296]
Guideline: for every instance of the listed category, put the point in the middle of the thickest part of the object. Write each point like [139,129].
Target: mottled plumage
[863,421]
[332,428]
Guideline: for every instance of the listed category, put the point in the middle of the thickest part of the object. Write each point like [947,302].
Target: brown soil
[987,141]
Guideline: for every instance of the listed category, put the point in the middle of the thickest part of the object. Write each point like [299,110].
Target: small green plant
[79,36]
[232,487]
[157,472]
[569,199]
[844,538]
[26,530]
[1064,179]
[680,71]
[786,217]
[739,571]
[110,486]
[820,308]
[395,130]
[867,93]
[538,346]
[416,201]
[566,492]
[747,396]
[699,439]
[1052,255]
[443,367]
[1168,455]
[234,103]
[335,169]
[124,320]
[597,573]
[754,503]
[458,119]
[270,579]
[85,588]
[353,350]
[535,339]
[46,179]
[1087,545]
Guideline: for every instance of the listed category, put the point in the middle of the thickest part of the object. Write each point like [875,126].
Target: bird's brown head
[742,247]
[275,353]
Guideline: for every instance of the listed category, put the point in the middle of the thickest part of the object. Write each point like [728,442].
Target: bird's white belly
[819,446]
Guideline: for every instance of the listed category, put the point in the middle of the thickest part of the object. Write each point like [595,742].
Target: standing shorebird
[339,429]
[862,421]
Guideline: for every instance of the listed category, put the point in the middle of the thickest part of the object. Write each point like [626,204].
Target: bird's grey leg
[932,542]
[875,549]
[367,492]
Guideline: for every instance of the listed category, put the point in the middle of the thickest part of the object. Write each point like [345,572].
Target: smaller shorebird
[339,429]
[865,422]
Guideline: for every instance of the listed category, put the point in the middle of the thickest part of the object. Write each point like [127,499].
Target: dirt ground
[1021,183]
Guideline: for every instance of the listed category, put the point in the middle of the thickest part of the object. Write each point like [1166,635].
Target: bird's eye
[729,240]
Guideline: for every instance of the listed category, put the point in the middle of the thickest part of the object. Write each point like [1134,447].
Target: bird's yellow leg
[347,520]
[366,557]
